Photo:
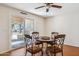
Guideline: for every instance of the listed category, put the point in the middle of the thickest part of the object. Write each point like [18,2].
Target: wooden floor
[68,51]
[71,51]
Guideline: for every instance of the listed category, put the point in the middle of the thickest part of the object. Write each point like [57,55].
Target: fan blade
[47,10]
[56,6]
[40,7]
[48,3]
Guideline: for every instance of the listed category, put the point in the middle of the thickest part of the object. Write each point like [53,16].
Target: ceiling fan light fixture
[49,5]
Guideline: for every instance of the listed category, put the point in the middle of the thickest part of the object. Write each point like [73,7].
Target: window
[29,26]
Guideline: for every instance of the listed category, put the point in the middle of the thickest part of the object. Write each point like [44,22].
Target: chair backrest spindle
[53,34]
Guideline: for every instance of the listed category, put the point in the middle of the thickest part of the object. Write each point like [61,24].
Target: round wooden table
[45,40]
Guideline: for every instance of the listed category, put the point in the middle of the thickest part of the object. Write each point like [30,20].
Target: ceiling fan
[48,6]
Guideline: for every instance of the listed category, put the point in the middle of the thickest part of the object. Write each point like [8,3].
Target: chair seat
[54,49]
[37,42]
[52,43]
[34,49]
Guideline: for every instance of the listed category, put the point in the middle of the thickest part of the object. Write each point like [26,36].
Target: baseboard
[72,44]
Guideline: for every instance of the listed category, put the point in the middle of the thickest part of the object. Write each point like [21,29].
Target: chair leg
[41,53]
[42,50]
[26,52]
[62,53]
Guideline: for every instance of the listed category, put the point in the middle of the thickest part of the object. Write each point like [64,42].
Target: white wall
[6,14]
[4,28]
[68,24]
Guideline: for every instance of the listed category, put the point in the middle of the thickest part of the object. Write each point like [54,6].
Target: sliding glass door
[20,26]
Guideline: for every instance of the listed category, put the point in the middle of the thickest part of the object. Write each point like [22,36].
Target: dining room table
[45,40]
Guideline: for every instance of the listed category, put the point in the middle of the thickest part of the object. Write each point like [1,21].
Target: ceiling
[30,7]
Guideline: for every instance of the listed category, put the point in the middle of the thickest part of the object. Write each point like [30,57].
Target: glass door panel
[17,32]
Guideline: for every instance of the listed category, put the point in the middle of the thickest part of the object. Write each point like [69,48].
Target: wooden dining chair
[32,48]
[28,41]
[58,46]
[53,34]
[35,37]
